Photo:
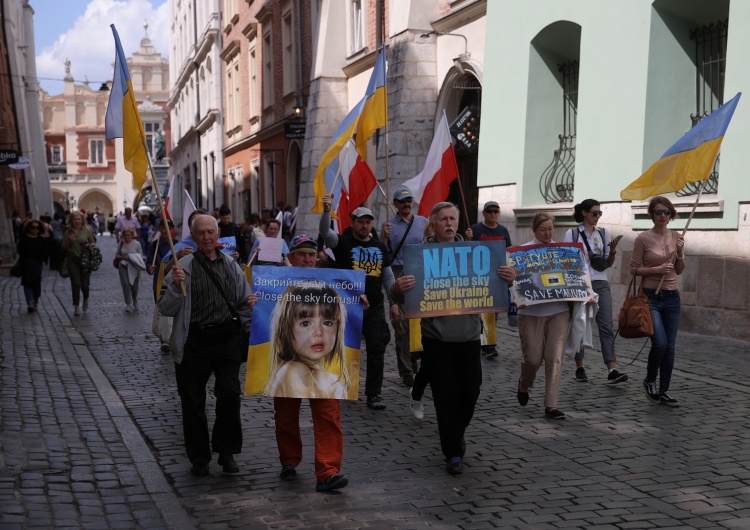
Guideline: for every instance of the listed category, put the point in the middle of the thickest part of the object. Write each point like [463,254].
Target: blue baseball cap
[302,242]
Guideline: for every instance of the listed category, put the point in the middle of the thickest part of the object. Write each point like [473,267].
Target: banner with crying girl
[306,333]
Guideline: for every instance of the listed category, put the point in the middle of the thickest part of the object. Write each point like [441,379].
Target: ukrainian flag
[689,160]
[123,120]
[329,163]
[375,112]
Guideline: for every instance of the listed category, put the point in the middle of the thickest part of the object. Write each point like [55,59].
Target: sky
[79,30]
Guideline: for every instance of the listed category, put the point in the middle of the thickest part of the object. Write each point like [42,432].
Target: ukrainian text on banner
[455,278]
[306,333]
[544,273]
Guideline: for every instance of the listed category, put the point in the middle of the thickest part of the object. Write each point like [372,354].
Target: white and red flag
[432,185]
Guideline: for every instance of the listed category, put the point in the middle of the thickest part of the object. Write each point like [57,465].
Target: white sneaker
[129,308]
[417,408]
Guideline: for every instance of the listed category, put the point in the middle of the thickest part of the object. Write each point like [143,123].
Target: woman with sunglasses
[77,238]
[33,250]
[599,249]
[659,253]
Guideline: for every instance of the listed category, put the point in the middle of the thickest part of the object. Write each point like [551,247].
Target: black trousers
[377,335]
[455,377]
[220,354]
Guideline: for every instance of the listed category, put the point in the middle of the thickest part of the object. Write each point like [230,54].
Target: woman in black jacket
[33,249]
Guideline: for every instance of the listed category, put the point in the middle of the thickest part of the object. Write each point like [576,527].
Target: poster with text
[551,272]
[228,245]
[306,333]
[455,278]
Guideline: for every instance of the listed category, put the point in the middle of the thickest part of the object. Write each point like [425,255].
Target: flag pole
[162,211]
[458,178]
[387,164]
[673,255]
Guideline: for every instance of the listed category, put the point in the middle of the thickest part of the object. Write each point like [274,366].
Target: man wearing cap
[489,229]
[228,229]
[326,413]
[402,229]
[360,251]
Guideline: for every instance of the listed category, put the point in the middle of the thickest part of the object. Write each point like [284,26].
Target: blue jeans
[665,313]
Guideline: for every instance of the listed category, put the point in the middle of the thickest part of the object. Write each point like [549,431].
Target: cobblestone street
[91,437]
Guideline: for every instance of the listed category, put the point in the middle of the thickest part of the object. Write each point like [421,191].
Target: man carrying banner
[402,229]
[452,347]
[326,413]
[360,251]
[209,337]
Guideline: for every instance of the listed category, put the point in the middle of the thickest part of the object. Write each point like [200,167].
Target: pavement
[90,437]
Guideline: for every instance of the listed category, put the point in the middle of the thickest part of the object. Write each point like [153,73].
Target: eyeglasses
[402,201]
[663,212]
[596,214]
[493,212]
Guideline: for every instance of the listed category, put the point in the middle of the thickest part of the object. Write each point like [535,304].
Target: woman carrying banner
[659,253]
[599,249]
[543,328]
[76,239]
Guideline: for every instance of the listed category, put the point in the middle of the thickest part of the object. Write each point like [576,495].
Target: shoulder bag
[230,305]
[635,321]
[598,263]
[116,261]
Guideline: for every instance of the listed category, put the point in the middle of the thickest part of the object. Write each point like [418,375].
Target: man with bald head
[211,325]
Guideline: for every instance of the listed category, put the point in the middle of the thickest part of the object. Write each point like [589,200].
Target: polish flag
[357,182]
[432,185]
[168,200]
[188,207]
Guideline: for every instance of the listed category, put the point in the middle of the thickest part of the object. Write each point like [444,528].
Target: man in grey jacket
[451,354]
[211,325]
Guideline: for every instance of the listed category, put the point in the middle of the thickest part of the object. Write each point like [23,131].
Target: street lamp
[458,61]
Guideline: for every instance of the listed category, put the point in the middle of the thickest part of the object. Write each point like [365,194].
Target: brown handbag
[635,321]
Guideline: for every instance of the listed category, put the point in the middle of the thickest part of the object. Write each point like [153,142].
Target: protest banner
[306,333]
[228,245]
[544,273]
[455,278]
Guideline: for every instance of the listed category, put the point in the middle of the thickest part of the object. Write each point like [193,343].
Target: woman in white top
[543,329]
[599,249]
[126,250]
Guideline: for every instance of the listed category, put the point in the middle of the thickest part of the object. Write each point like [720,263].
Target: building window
[287,42]
[357,25]
[152,129]
[267,71]
[57,155]
[710,59]
[234,99]
[80,113]
[96,152]
[253,68]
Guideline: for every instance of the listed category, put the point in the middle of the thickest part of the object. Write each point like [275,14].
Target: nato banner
[306,333]
[455,278]
[551,272]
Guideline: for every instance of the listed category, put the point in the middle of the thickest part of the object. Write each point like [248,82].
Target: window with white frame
[267,70]
[57,154]
[357,12]
[253,85]
[230,11]
[96,152]
[234,99]
[289,64]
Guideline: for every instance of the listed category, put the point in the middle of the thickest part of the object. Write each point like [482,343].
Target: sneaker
[333,482]
[417,408]
[492,354]
[581,376]
[227,463]
[288,472]
[666,399]
[615,377]
[408,380]
[375,403]
[555,414]
[455,466]
[128,308]
[164,347]
[651,392]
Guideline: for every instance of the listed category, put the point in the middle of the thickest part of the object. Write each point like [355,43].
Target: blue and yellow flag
[375,112]
[124,121]
[688,160]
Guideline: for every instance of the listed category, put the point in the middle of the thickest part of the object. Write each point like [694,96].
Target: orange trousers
[329,438]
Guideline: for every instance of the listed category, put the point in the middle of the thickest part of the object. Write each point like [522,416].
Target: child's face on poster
[313,338]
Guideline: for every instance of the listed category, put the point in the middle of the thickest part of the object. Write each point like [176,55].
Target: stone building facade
[86,170]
